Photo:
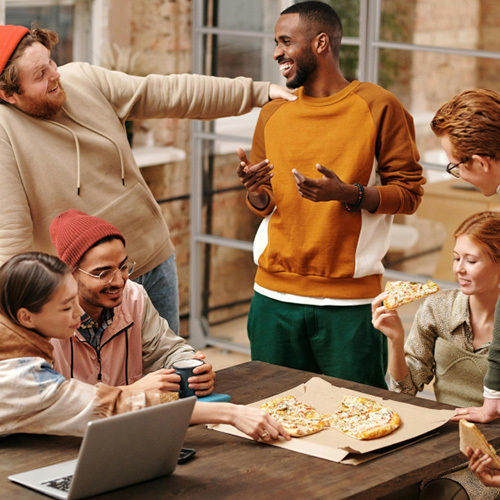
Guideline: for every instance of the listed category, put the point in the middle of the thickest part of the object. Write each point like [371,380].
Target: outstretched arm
[252,421]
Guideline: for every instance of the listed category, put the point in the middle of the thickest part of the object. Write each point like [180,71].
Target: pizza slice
[404,292]
[363,418]
[298,419]
[472,437]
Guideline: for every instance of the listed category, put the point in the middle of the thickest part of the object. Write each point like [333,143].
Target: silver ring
[264,434]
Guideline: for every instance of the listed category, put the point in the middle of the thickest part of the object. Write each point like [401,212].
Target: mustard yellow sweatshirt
[365,135]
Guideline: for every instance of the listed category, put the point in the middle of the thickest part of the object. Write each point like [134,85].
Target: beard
[96,297]
[45,108]
[304,67]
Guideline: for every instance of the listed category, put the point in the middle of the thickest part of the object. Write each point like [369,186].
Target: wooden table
[451,202]
[226,466]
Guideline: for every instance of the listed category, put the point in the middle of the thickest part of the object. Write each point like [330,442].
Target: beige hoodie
[81,159]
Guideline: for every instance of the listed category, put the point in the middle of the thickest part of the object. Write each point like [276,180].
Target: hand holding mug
[197,377]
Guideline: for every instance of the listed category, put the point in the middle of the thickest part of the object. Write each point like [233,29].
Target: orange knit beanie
[10,36]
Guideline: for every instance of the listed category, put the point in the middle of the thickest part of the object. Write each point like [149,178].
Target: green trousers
[338,341]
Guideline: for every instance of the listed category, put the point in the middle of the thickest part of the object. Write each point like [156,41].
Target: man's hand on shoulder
[279,92]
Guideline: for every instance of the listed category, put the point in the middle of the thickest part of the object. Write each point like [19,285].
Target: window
[69,18]
[422,51]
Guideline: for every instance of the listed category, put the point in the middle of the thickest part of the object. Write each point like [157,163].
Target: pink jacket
[138,342]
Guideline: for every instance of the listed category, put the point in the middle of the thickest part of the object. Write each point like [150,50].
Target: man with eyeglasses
[469,129]
[122,339]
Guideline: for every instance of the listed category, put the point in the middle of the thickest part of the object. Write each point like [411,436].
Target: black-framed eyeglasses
[107,276]
[454,168]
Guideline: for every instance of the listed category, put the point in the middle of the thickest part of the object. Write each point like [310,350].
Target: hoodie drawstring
[77,145]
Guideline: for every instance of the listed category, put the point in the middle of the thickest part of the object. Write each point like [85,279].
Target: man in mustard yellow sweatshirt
[327,171]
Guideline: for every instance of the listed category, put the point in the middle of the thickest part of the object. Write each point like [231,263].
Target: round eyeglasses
[107,276]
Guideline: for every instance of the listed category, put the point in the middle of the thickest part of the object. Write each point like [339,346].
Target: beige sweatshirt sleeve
[177,96]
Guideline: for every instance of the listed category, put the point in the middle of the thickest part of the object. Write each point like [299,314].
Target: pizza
[403,292]
[472,437]
[298,419]
[363,418]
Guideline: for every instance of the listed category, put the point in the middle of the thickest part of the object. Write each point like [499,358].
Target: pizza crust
[298,419]
[472,437]
[404,292]
[363,418]
[356,416]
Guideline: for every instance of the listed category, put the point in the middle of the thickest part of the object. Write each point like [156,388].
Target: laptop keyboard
[63,483]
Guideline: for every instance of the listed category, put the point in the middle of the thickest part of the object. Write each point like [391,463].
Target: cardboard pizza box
[333,445]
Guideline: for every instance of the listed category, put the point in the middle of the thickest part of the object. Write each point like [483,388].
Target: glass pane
[348,11]
[349,61]
[231,57]
[58,18]
[257,15]
[262,15]
[422,82]
[463,24]
[227,284]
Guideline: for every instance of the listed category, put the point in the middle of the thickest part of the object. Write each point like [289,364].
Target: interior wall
[154,36]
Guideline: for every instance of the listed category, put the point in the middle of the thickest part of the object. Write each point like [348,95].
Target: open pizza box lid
[331,444]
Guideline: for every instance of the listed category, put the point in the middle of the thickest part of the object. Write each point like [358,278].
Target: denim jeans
[163,289]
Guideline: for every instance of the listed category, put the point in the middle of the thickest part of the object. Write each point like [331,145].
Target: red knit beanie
[74,232]
[10,36]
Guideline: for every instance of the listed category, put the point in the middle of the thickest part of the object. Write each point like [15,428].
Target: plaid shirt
[92,330]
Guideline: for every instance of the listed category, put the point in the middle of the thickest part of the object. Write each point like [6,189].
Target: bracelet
[357,205]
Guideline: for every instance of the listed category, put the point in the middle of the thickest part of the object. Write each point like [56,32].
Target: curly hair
[9,79]
[471,120]
[483,229]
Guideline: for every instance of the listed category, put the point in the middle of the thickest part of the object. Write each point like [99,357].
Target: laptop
[118,451]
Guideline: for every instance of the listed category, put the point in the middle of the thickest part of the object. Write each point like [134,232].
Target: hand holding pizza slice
[404,292]
[471,437]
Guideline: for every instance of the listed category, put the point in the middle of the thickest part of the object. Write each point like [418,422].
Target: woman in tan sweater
[450,337]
